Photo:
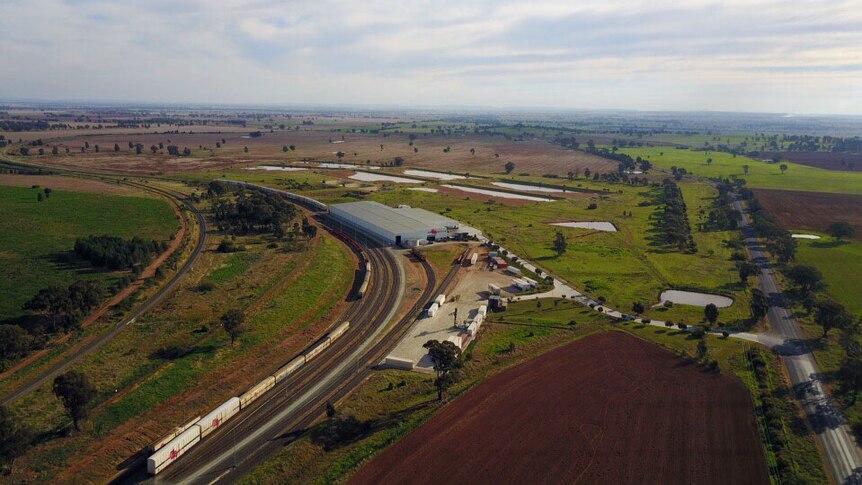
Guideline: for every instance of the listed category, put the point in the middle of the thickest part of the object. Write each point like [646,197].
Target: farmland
[36,244]
[608,404]
[811,210]
[761,174]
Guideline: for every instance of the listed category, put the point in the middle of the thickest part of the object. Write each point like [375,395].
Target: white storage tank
[173,450]
[218,416]
[288,369]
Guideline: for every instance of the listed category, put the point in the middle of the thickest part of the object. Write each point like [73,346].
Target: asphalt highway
[833,434]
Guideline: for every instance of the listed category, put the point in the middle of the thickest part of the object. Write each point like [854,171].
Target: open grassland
[761,174]
[36,238]
[841,265]
[626,266]
[392,403]
[176,361]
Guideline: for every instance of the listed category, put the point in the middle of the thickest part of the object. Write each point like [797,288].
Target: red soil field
[825,160]
[609,408]
[811,210]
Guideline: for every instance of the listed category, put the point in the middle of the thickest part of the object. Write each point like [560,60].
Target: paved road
[101,340]
[836,440]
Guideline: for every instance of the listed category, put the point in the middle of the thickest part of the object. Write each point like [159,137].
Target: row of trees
[65,307]
[116,253]
[677,231]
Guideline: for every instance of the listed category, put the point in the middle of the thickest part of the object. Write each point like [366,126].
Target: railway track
[98,342]
[238,460]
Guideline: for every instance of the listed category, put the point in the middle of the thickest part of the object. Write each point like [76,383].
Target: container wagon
[289,368]
[317,349]
[173,434]
[218,416]
[338,332]
[255,392]
[173,450]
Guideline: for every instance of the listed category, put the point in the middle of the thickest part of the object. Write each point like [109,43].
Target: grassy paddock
[36,238]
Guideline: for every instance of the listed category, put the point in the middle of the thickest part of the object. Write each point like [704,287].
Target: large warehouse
[403,226]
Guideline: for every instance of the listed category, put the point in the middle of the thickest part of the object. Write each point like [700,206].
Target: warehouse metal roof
[396,221]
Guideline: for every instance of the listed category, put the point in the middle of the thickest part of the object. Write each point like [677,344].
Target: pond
[695,299]
[595,225]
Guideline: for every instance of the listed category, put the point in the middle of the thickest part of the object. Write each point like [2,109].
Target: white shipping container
[513,270]
[255,392]
[218,416]
[432,310]
[473,329]
[493,289]
[173,434]
[483,310]
[398,363]
[317,349]
[339,331]
[532,282]
[455,340]
[173,450]
[474,258]
[440,300]
[289,368]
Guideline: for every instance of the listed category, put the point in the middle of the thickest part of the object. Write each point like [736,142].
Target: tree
[783,248]
[638,308]
[711,313]
[831,315]
[840,229]
[15,438]
[747,269]
[284,148]
[783,168]
[399,161]
[509,167]
[701,349]
[55,151]
[232,321]
[560,244]
[759,305]
[74,390]
[851,375]
[806,278]
[14,341]
[330,409]
[709,161]
[40,197]
[586,173]
[116,147]
[745,169]
[446,358]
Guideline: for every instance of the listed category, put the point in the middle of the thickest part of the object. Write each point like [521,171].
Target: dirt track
[607,409]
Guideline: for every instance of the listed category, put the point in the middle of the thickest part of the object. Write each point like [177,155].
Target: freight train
[167,449]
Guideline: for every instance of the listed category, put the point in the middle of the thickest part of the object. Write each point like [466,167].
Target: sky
[753,55]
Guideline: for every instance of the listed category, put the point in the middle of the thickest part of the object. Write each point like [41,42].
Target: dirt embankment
[609,408]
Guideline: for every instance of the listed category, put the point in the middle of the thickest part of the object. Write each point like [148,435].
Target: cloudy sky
[729,55]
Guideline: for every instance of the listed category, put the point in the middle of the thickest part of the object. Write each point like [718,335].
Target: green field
[761,174]
[623,266]
[840,265]
[36,237]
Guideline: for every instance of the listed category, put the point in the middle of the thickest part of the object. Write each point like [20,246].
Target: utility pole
[455,319]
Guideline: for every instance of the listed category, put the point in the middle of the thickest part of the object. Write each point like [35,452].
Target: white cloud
[736,55]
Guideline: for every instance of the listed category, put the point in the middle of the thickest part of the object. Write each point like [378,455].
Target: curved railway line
[99,341]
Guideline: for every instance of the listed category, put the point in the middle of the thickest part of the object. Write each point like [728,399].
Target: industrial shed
[405,226]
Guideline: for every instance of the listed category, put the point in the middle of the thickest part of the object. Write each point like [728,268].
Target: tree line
[252,211]
[675,225]
[116,253]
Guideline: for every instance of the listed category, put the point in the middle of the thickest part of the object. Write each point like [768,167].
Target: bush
[228,246]
[592,206]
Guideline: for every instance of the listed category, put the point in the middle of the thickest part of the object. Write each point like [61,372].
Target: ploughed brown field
[609,408]
[825,160]
[811,210]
